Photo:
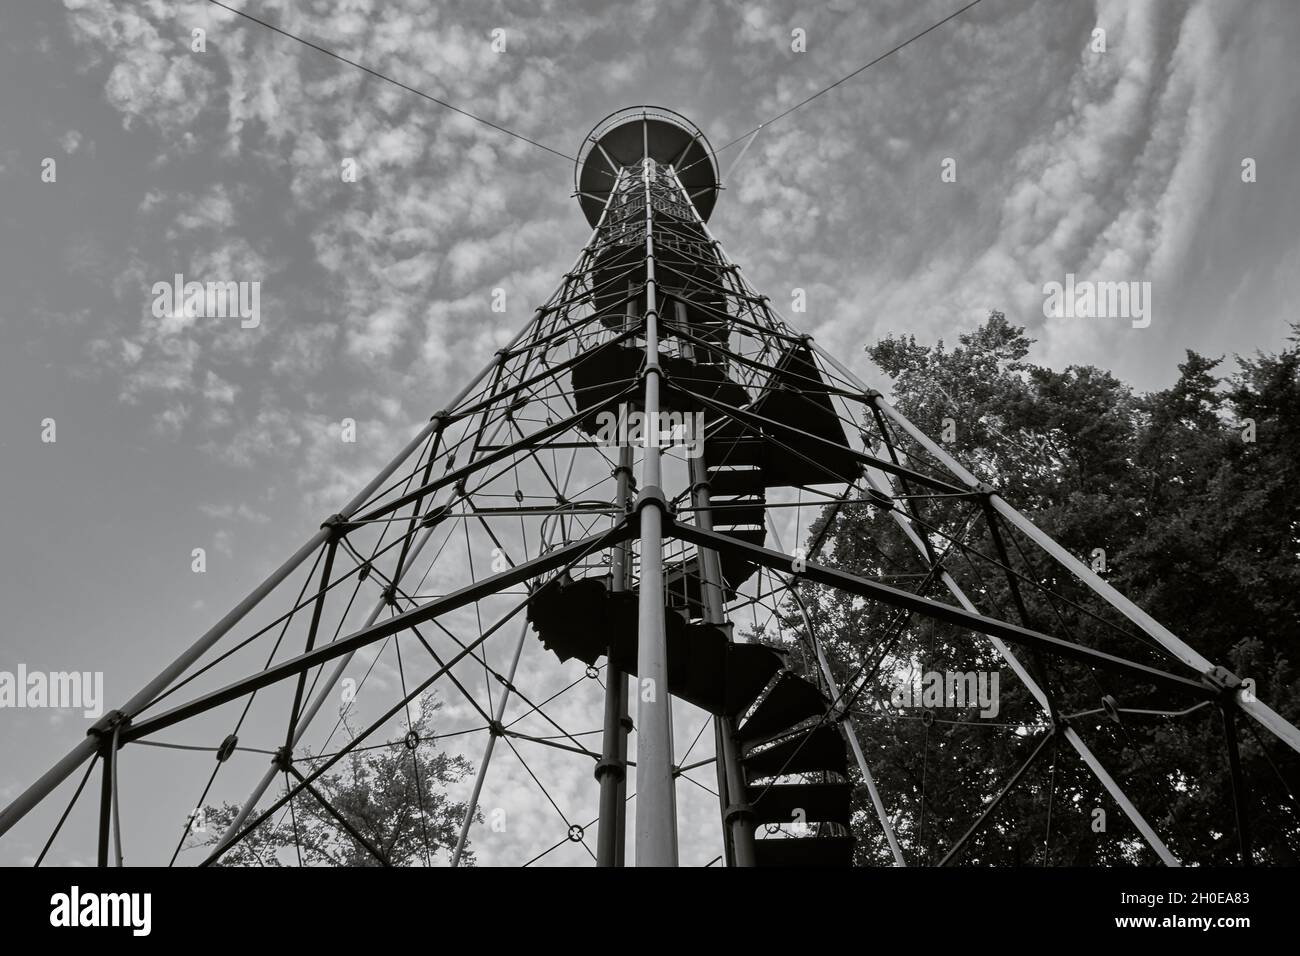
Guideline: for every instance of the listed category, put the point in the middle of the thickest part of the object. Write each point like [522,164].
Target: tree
[1199,526]
[391,795]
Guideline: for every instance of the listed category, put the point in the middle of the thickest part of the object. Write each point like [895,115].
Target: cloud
[229,512]
[1105,165]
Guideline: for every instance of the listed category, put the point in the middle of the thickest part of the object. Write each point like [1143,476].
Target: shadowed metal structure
[613,489]
[626,137]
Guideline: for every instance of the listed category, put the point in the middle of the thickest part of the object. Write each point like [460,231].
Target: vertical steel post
[1240,793]
[611,772]
[656,811]
[733,794]
[625,554]
[117,799]
[105,800]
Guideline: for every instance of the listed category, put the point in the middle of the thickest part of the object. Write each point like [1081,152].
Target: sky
[1123,164]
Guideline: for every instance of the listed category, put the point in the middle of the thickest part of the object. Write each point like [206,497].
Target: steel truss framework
[508,499]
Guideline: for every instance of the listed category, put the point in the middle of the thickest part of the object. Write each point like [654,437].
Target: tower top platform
[626,137]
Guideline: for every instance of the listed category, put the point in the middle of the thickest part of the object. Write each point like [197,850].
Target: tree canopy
[1185,499]
[393,795]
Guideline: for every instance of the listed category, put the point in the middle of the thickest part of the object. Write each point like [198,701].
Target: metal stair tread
[816,802]
[805,851]
[790,701]
[818,749]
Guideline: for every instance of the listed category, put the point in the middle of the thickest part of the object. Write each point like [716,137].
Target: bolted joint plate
[1222,680]
[652,494]
[106,725]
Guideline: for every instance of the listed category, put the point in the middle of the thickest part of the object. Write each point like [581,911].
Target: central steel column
[656,810]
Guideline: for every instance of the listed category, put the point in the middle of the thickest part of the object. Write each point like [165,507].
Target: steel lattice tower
[625,461]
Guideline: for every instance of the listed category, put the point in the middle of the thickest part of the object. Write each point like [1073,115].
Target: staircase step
[706,670]
[602,373]
[790,702]
[704,379]
[697,659]
[733,512]
[749,669]
[729,447]
[737,569]
[735,572]
[811,802]
[731,429]
[609,369]
[799,410]
[821,749]
[716,364]
[570,618]
[805,851]
[583,619]
[697,666]
[736,481]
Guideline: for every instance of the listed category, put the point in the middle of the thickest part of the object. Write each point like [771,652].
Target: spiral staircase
[781,433]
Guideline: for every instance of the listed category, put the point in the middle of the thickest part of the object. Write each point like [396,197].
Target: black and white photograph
[859,439]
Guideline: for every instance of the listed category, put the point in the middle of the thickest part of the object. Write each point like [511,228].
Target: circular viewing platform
[628,136]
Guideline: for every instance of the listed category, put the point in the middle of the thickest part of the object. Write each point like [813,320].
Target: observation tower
[522,550]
